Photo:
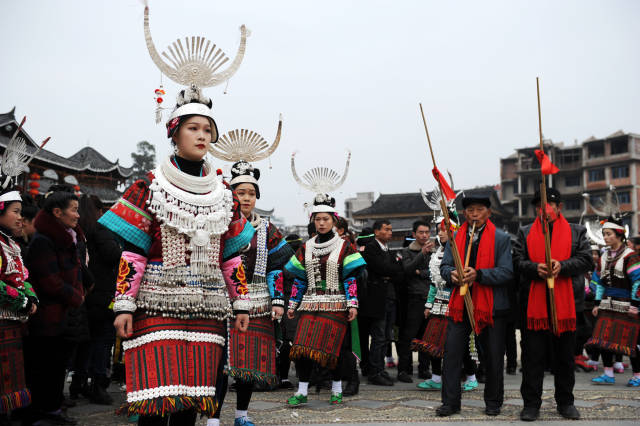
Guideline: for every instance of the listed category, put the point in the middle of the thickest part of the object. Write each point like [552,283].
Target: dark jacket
[384,271]
[576,266]
[104,257]
[412,261]
[500,277]
[56,275]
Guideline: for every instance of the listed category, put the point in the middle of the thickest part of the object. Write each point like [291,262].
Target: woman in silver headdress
[180,276]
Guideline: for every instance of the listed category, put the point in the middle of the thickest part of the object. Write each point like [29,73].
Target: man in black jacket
[415,262]
[536,338]
[379,305]
[488,274]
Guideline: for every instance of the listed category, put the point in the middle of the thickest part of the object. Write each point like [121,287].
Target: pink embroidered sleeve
[130,272]
[236,281]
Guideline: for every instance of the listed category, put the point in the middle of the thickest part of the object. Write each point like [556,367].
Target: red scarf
[537,315]
[482,295]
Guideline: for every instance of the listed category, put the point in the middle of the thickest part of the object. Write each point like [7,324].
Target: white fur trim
[611,225]
[10,196]
[243,179]
[322,208]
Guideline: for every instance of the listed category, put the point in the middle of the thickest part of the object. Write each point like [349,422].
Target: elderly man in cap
[570,260]
[488,274]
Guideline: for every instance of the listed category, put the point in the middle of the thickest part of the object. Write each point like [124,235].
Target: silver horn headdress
[15,161]
[321,181]
[196,64]
[242,147]
[609,207]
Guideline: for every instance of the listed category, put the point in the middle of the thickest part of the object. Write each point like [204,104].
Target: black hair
[343,224]
[29,208]
[89,214]
[311,229]
[58,200]
[619,232]
[419,223]
[377,225]
[294,241]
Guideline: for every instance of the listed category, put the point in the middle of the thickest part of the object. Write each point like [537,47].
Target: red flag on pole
[546,166]
[446,189]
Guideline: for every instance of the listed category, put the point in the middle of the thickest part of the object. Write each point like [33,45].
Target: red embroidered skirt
[434,337]
[319,337]
[252,354]
[172,364]
[615,332]
[13,390]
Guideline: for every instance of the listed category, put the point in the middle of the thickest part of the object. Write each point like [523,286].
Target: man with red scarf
[489,273]
[571,259]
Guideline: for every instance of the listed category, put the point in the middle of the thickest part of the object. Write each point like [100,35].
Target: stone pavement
[404,403]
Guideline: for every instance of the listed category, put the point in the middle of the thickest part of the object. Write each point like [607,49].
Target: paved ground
[404,403]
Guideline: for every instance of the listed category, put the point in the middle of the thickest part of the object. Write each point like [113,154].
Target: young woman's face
[193,138]
[323,222]
[611,238]
[246,194]
[69,216]
[12,218]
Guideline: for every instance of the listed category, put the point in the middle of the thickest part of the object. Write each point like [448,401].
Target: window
[619,146]
[573,204]
[572,180]
[596,175]
[569,157]
[596,200]
[620,172]
[624,197]
[596,150]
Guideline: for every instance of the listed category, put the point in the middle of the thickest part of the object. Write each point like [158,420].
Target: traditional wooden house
[87,170]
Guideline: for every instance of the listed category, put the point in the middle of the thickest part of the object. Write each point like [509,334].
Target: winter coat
[576,266]
[384,271]
[104,257]
[414,260]
[55,272]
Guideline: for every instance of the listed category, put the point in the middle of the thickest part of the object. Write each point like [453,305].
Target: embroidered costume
[17,297]
[180,271]
[252,355]
[617,281]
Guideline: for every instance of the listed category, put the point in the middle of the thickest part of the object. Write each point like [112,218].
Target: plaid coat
[55,273]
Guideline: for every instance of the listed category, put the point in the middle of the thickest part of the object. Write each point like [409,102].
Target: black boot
[99,394]
[353,386]
[79,386]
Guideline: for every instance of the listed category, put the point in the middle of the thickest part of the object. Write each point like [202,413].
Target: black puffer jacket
[104,257]
[576,266]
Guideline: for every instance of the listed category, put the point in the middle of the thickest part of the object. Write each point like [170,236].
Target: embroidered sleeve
[633,272]
[29,292]
[11,298]
[238,235]
[236,281]
[352,262]
[298,289]
[279,252]
[351,292]
[130,272]
[295,265]
[431,297]
[129,217]
[595,281]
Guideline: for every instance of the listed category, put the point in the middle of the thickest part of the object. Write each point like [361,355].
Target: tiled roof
[410,202]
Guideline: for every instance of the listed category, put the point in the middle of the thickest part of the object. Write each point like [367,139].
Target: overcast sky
[344,74]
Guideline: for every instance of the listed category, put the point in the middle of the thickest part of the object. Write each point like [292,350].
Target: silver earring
[175,149]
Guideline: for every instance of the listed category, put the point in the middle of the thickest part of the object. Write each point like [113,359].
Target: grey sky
[343,73]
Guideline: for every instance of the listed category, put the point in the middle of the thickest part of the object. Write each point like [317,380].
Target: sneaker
[336,398]
[391,364]
[582,365]
[286,384]
[297,399]
[430,385]
[634,382]
[603,380]
[243,421]
[469,385]
[618,370]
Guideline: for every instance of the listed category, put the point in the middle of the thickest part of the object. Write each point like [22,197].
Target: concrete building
[590,168]
[361,201]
